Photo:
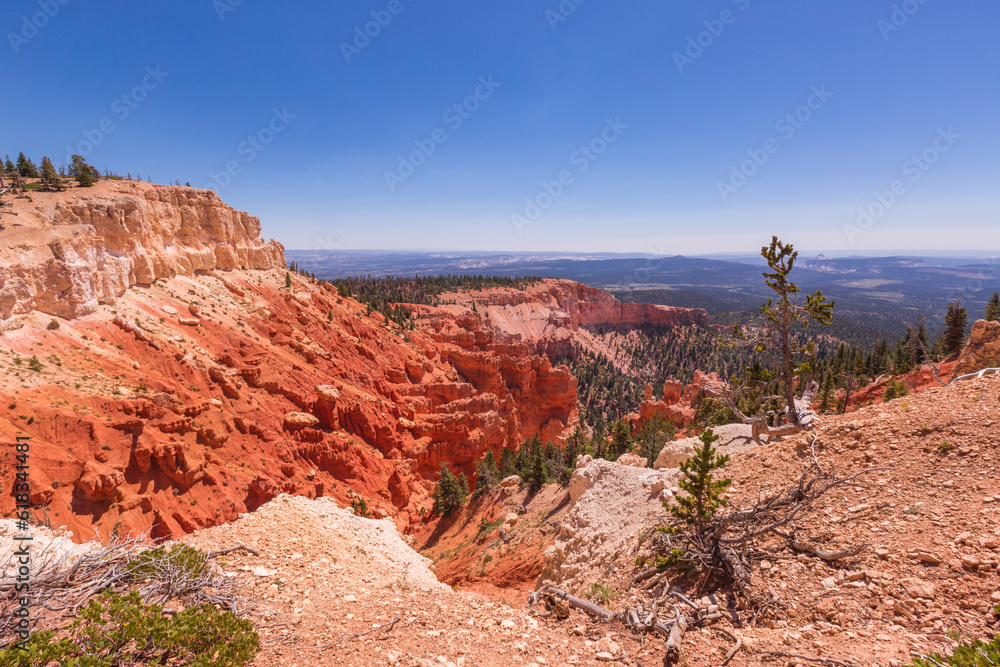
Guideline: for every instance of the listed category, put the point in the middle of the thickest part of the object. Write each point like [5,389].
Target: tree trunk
[786,351]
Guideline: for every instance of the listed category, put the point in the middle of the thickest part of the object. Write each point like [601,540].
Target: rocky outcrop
[611,506]
[65,252]
[186,427]
[982,350]
[551,314]
[678,404]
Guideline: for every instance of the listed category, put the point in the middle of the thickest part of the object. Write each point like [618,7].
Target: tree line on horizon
[48,177]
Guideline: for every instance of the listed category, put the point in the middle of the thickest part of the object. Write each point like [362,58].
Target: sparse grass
[601,593]
[944,446]
[487,527]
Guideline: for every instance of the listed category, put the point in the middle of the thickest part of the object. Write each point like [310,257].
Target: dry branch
[387,627]
[238,547]
[735,649]
[62,583]
[723,548]
[673,655]
[759,425]
[828,556]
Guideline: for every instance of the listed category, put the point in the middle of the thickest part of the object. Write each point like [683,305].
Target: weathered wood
[673,655]
[583,605]
[735,649]
[238,547]
[798,656]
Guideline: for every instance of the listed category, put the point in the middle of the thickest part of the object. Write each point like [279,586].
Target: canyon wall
[557,316]
[212,387]
[182,382]
[62,253]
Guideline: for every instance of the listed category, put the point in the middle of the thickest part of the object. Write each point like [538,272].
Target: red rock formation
[186,402]
[555,316]
[138,421]
[678,404]
[982,350]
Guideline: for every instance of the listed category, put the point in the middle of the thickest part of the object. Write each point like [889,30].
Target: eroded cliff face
[190,401]
[555,317]
[182,383]
[63,253]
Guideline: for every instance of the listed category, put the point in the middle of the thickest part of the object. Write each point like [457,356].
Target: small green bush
[601,593]
[895,389]
[115,630]
[360,507]
[976,654]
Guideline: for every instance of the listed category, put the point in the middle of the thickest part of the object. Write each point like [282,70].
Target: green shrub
[601,593]
[976,654]
[360,507]
[114,631]
[895,389]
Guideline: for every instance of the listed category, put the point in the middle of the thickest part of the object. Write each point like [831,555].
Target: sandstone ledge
[63,253]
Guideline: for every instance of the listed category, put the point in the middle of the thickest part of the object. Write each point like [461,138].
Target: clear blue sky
[678,130]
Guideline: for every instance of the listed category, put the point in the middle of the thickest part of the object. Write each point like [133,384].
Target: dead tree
[803,420]
[721,552]
[638,619]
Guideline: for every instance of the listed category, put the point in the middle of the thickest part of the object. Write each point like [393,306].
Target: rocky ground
[929,511]
[325,575]
[926,581]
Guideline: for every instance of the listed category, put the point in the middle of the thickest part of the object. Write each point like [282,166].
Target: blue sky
[646,111]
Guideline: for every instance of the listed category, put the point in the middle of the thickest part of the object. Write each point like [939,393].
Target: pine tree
[535,473]
[956,320]
[704,493]
[783,315]
[827,388]
[50,177]
[621,440]
[26,168]
[993,308]
[487,474]
[449,493]
[9,166]
[575,445]
[508,463]
[85,175]
[288,280]
[654,435]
